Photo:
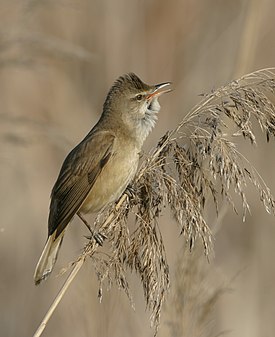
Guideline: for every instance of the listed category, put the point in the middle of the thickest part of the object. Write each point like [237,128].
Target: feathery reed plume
[191,163]
[190,309]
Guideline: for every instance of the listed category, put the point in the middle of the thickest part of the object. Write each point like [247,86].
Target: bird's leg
[99,238]
[85,222]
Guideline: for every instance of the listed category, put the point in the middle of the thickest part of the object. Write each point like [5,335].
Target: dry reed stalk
[190,164]
[59,296]
[251,25]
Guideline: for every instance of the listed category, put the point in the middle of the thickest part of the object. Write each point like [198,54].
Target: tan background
[57,61]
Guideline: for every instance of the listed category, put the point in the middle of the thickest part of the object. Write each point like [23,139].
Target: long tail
[48,257]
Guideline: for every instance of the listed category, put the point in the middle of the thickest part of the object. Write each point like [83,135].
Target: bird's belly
[111,182]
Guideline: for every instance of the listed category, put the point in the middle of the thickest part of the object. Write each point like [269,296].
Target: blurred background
[58,59]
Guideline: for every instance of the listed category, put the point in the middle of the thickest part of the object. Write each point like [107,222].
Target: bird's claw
[130,191]
[98,237]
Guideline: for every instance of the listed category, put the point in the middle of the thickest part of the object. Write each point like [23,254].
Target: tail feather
[48,258]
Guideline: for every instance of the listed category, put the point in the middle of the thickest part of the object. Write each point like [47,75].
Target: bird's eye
[139,97]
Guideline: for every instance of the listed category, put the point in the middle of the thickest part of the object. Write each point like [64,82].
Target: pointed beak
[158,90]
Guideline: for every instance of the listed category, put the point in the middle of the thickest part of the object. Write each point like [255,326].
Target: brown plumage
[99,168]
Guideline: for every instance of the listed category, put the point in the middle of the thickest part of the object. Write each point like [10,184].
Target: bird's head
[135,104]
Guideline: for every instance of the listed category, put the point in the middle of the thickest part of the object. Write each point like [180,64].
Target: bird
[98,170]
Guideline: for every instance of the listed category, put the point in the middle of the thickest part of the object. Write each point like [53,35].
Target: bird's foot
[98,237]
[131,191]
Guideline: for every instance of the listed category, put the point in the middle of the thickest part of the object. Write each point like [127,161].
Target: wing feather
[77,177]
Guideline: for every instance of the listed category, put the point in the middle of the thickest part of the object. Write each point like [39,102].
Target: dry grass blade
[193,162]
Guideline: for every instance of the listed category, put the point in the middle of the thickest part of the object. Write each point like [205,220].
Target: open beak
[158,90]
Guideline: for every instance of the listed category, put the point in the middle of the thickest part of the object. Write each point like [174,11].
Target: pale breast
[112,181]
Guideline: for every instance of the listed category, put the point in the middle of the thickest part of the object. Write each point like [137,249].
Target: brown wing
[76,178]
